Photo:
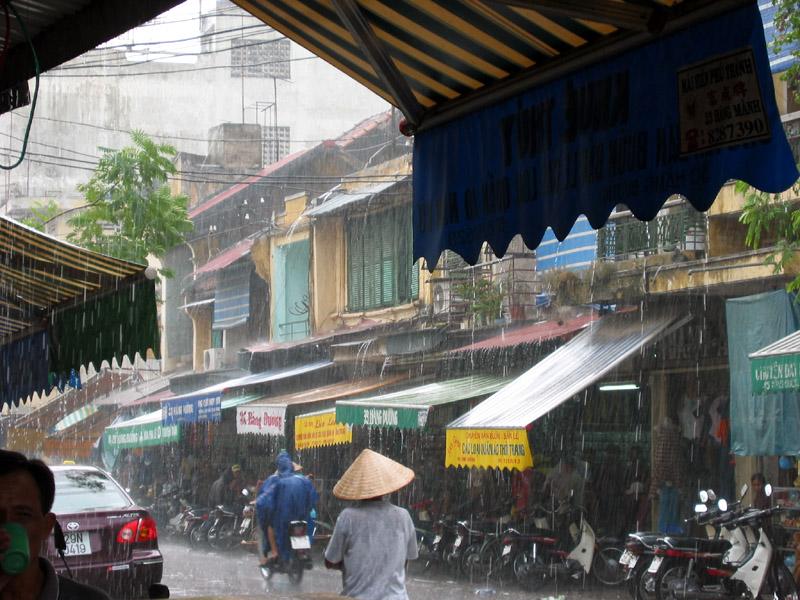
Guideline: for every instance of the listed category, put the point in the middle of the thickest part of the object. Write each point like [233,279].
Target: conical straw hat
[372,475]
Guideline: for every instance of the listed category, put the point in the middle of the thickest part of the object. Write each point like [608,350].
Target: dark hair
[760,477]
[11,462]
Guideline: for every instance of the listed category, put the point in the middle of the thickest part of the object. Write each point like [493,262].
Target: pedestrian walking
[373,539]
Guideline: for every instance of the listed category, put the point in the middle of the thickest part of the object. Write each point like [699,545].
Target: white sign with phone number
[720,103]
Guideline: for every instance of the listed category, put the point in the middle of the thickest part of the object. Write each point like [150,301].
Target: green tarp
[766,424]
[121,323]
[140,432]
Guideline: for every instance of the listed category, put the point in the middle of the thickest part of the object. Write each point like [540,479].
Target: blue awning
[232,298]
[682,114]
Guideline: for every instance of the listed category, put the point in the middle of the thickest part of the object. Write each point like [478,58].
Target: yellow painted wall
[201,321]
[328,274]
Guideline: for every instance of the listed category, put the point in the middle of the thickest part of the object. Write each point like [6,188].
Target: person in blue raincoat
[284,497]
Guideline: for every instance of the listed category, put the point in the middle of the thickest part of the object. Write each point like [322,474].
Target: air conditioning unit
[441,298]
[212,359]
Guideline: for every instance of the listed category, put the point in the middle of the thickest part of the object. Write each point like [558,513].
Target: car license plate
[632,562]
[300,542]
[78,543]
[457,543]
[626,557]
[507,549]
[437,539]
[653,568]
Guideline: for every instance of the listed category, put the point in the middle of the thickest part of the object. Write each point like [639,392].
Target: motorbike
[299,556]
[543,554]
[444,533]
[248,526]
[750,567]
[224,532]
[677,556]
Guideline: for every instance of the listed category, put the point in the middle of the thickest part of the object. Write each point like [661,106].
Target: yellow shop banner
[320,429]
[488,448]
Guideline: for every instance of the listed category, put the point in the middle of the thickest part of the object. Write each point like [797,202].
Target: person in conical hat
[373,539]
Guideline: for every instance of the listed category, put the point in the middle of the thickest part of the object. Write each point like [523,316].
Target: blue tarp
[24,368]
[681,115]
[767,424]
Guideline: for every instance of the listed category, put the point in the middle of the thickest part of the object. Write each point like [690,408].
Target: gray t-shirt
[374,540]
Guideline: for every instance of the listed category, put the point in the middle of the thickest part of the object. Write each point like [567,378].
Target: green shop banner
[771,374]
[140,436]
[403,417]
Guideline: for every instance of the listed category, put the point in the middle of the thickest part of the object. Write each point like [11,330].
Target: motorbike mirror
[768,490]
[722,504]
[700,508]
[703,496]
[245,492]
[743,491]
[711,495]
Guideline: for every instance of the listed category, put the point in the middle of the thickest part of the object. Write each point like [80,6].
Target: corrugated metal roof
[254,379]
[569,370]
[245,183]
[788,345]
[532,334]
[341,200]
[333,391]
[227,257]
[433,394]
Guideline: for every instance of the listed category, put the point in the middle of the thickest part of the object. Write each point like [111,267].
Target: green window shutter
[372,260]
[355,268]
[388,251]
[414,281]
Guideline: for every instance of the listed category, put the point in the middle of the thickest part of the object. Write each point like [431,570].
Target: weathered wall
[328,274]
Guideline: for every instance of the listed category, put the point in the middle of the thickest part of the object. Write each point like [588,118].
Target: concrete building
[245,73]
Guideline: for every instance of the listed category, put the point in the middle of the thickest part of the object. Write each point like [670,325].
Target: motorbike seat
[648,538]
[699,544]
[540,536]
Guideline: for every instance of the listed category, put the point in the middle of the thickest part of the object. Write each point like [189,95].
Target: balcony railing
[682,228]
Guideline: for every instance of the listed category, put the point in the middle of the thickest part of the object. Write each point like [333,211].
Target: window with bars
[275,143]
[380,269]
[261,58]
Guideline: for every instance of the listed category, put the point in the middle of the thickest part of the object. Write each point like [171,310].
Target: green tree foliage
[131,212]
[787,35]
[484,297]
[773,218]
[42,213]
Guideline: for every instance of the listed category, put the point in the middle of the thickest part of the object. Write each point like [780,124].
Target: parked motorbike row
[218,527]
[560,545]
[224,528]
[737,559]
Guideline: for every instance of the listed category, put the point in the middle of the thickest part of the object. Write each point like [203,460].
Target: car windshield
[78,491]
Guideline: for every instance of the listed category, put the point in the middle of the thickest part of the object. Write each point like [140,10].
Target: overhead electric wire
[260,26]
[162,56]
[225,12]
[225,178]
[50,75]
[174,137]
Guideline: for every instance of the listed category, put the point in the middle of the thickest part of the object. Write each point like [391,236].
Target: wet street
[202,573]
